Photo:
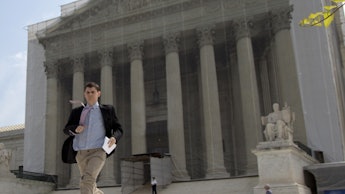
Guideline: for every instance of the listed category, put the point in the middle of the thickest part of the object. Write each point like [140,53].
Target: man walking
[268,189]
[90,125]
[154,185]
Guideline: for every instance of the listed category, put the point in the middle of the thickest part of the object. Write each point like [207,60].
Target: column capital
[106,56]
[171,42]
[205,35]
[51,69]
[135,50]
[281,18]
[78,63]
[242,28]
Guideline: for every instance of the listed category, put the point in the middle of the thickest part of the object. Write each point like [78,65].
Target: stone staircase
[243,185]
[106,190]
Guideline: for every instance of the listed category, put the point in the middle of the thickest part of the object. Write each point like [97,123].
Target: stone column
[272,73]
[249,93]
[210,100]
[78,94]
[78,79]
[138,114]
[175,108]
[265,86]
[106,61]
[286,68]
[50,156]
[107,177]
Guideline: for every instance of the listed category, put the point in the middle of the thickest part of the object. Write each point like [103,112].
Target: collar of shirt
[96,105]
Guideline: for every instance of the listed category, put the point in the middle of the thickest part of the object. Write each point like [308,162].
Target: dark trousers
[154,189]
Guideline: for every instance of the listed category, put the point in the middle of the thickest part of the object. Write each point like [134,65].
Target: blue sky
[14,17]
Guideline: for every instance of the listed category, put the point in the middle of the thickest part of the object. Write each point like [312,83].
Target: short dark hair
[92,85]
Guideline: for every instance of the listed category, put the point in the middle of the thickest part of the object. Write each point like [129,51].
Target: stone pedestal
[280,164]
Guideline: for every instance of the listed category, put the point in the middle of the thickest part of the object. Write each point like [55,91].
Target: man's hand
[111,141]
[79,129]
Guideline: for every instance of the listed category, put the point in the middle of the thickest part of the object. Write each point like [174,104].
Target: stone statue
[279,123]
[5,157]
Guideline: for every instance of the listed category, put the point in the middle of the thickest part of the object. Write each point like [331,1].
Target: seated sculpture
[278,124]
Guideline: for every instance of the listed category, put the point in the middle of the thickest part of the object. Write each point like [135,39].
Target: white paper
[77,102]
[106,147]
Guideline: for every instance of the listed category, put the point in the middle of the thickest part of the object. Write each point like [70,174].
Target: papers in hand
[77,102]
[106,147]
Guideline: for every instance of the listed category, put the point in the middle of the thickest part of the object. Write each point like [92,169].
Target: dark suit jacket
[111,125]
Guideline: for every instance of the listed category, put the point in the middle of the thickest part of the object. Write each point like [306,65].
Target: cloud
[13,85]
[20,56]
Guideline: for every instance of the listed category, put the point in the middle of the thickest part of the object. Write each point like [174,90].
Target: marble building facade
[190,78]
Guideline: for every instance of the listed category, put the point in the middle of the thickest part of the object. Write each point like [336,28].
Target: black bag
[68,154]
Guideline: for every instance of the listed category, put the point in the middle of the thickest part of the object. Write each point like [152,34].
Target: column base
[107,181]
[8,175]
[73,183]
[181,175]
[75,177]
[17,185]
[251,172]
[294,188]
[218,173]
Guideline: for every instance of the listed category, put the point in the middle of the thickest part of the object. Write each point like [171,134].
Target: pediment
[65,21]
[102,14]
[103,11]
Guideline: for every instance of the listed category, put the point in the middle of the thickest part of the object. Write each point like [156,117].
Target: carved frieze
[52,47]
[117,12]
[97,36]
[253,2]
[131,5]
[233,4]
[83,40]
[212,6]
